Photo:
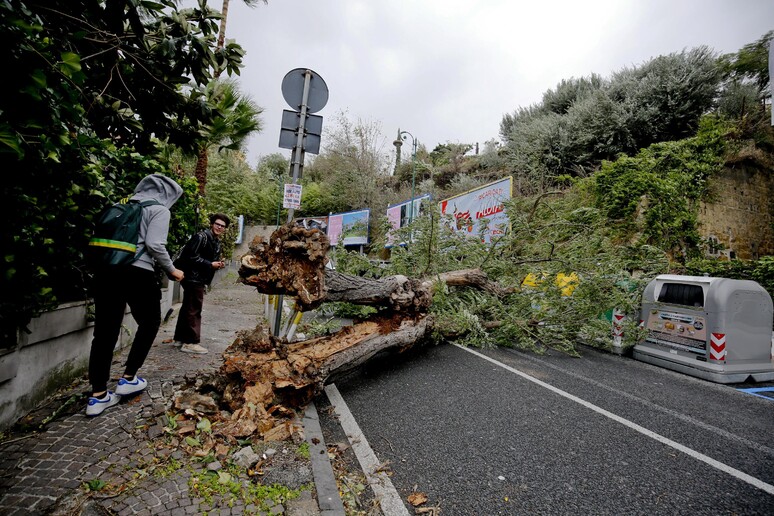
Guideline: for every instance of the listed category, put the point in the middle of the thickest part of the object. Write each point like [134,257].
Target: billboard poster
[399,214]
[350,227]
[464,212]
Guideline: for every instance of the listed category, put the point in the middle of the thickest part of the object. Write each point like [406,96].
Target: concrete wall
[54,353]
[741,215]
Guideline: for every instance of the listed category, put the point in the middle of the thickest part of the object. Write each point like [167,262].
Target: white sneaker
[126,387]
[97,406]
[194,348]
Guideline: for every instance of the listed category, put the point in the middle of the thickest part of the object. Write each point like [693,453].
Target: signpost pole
[296,164]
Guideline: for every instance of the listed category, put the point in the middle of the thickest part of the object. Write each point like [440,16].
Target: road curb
[324,480]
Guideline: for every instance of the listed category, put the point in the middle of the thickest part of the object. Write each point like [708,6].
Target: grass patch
[231,484]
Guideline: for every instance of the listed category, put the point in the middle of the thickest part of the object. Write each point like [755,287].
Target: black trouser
[188,329]
[116,288]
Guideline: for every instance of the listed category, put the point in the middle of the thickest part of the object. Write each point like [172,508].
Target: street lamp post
[402,136]
[278,176]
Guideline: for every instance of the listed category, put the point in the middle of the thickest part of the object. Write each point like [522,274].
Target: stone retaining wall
[53,353]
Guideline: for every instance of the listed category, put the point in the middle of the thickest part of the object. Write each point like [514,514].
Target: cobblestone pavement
[120,463]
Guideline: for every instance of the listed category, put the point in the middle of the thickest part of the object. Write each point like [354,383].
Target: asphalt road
[601,434]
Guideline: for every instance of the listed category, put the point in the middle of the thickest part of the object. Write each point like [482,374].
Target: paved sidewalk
[128,461]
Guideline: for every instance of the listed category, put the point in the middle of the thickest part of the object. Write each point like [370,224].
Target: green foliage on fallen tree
[552,238]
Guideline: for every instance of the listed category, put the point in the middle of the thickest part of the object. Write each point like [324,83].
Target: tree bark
[200,172]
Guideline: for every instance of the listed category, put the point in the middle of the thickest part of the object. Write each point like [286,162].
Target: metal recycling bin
[718,329]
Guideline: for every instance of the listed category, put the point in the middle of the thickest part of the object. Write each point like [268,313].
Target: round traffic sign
[293,90]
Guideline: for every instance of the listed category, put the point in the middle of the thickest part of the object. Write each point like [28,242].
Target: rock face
[739,220]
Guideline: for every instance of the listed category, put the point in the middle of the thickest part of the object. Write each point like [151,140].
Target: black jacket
[197,256]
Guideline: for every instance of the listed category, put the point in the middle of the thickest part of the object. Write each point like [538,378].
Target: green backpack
[117,232]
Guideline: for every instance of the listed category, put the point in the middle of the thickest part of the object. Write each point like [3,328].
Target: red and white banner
[718,346]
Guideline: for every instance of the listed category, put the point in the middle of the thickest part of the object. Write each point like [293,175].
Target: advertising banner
[398,215]
[464,212]
[351,227]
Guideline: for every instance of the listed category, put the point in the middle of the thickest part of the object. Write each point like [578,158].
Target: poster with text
[399,215]
[292,198]
[465,212]
[350,227]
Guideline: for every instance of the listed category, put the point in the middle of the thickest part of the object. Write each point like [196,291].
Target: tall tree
[747,89]
[224,18]
[236,117]
[751,63]
[352,162]
[203,157]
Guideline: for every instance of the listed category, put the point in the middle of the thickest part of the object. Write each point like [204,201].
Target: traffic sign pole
[313,98]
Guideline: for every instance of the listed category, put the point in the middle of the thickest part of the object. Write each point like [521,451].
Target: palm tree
[215,88]
[224,14]
[238,117]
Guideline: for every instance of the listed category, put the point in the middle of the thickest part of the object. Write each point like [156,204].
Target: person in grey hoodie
[134,285]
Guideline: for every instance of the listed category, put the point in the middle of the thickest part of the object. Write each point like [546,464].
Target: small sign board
[292,198]
[293,90]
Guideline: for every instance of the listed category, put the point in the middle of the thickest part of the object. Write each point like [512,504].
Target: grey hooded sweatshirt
[155,220]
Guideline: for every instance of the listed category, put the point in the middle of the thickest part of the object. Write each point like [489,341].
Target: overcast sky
[447,70]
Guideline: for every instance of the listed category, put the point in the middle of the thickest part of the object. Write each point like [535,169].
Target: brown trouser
[189,323]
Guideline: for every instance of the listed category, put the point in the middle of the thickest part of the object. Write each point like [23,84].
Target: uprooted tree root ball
[264,380]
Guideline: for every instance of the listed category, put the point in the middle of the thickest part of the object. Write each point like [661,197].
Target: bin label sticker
[718,347]
[685,329]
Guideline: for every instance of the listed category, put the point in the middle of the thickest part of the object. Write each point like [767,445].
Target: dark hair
[221,216]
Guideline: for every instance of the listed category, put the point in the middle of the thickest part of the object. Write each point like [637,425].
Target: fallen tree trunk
[264,378]
[262,383]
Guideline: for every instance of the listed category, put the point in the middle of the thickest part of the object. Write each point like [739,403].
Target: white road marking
[634,426]
[673,413]
[385,492]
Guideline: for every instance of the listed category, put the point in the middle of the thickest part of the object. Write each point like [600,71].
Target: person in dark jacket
[199,260]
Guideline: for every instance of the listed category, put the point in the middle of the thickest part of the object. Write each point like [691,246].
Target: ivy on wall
[653,197]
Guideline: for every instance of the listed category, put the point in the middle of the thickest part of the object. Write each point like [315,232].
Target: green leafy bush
[761,271]
[74,138]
